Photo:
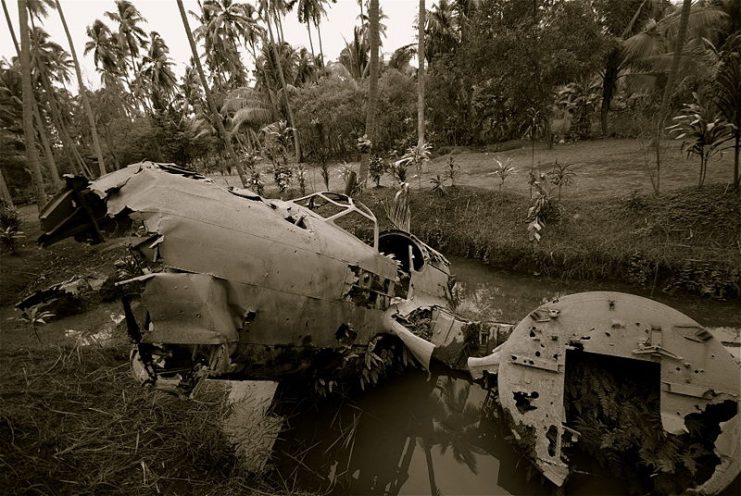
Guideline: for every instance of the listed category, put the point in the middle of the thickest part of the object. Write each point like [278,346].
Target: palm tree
[365,24]
[39,121]
[231,156]
[401,57]
[308,12]
[131,37]
[442,30]
[421,74]
[317,23]
[728,93]
[189,92]
[223,24]
[246,107]
[107,57]
[643,32]
[669,88]
[83,94]
[266,7]
[30,141]
[306,69]
[50,61]
[157,73]
[105,53]
[372,107]
[355,56]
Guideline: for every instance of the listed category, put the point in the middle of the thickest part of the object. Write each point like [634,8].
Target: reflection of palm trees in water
[369,447]
[371,450]
[452,424]
[456,420]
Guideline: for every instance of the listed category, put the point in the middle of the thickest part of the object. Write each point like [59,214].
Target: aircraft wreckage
[237,286]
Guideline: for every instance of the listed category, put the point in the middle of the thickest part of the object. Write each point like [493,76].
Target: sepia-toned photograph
[370,247]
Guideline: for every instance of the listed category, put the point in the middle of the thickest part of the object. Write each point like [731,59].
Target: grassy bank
[73,421]
[685,240]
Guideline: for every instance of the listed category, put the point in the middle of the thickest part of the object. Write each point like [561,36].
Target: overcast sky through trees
[162,16]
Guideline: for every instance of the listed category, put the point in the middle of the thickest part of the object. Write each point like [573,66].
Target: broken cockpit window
[342,211]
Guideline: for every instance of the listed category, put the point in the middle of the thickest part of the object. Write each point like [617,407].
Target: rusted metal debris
[241,287]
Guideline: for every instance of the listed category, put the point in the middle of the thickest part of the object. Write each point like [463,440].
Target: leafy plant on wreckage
[362,366]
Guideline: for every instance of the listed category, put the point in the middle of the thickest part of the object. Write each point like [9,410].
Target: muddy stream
[431,435]
[415,434]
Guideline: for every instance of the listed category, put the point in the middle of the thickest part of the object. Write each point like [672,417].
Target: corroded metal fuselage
[233,285]
[241,286]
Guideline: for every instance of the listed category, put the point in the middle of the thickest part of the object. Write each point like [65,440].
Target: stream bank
[684,241]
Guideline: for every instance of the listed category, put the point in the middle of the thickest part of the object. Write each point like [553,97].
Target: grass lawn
[603,168]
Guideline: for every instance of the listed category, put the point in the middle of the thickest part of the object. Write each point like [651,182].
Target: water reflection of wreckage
[237,286]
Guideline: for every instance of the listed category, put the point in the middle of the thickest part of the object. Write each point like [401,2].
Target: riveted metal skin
[696,370]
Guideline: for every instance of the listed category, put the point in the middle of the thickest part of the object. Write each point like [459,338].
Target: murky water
[492,294]
[421,434]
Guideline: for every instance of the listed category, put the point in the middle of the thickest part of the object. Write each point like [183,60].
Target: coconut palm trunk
[40,127]
[68,144]
[32,155]
[421,75]
[669,88]
[321,47]
[83,94]
[215,115]
[279,67]
[268,89]
[51,164]
[4,191]
[311,43]
[372,106]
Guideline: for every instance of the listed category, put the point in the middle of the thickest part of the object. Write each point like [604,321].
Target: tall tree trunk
[32,154]
[421,75]
[279,66]
[268,89]
[215,115]
[83,94]
[109,142]
[40,127]
[736,178]
[4,191]
[669,88]
[321,47]
[51,164]
[612,69]
[372,106]
[73,155]
[279,23]
[311,43]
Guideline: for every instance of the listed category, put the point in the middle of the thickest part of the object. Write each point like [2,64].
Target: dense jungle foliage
[496,70]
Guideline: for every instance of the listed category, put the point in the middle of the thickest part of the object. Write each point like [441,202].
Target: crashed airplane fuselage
[233,285]
[240,286]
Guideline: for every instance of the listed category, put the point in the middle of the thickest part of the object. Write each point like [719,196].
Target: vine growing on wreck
[362,366]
